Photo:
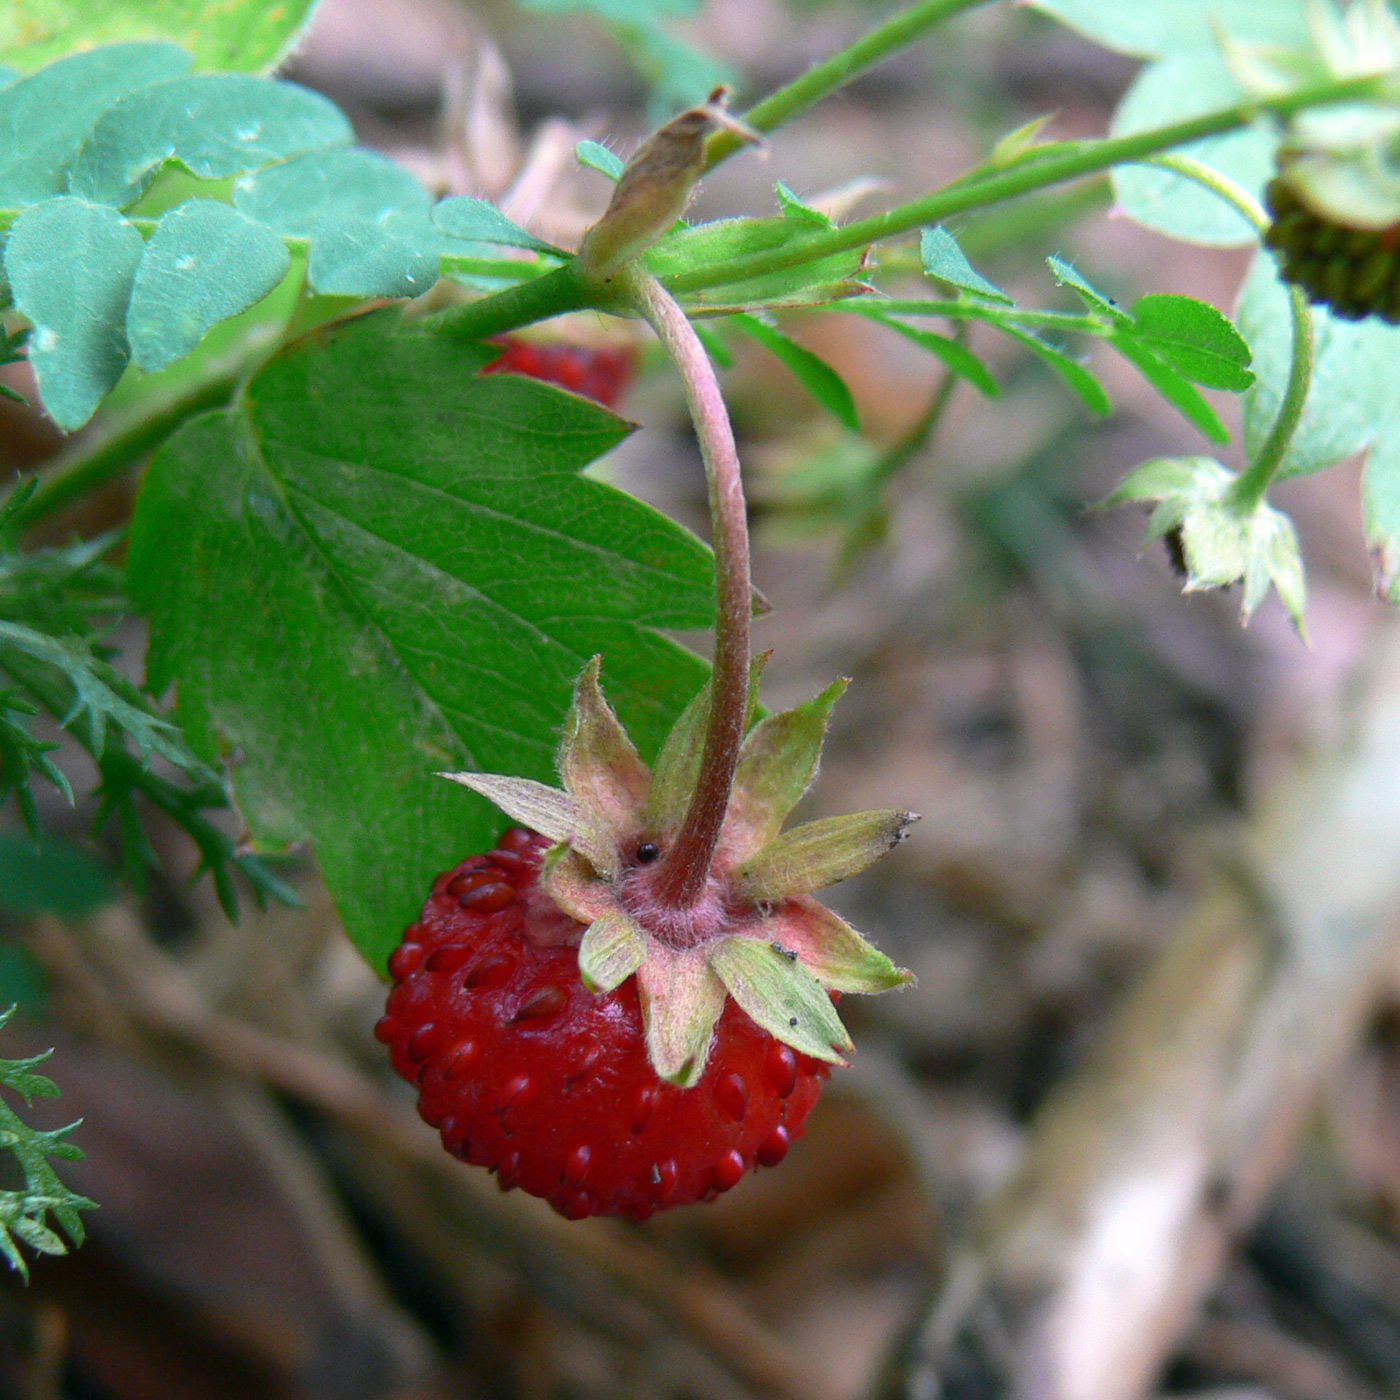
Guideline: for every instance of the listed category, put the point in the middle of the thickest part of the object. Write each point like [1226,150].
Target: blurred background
[1081,740]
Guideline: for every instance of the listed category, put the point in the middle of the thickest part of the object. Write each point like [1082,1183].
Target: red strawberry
[527,1072]
[600,372]
[593,1040]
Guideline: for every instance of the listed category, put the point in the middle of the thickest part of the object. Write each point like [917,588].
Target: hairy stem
[1036,171]
[1254,480]
[835,72]
[681,879]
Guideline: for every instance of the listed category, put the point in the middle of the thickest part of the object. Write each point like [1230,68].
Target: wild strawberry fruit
[592,1040]
[599,372]
[527,1072]
[1355,271]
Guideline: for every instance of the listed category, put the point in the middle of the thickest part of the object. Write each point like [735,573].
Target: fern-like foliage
[55,605]
[25,1213]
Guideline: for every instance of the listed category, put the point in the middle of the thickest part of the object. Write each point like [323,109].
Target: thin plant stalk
[682,878]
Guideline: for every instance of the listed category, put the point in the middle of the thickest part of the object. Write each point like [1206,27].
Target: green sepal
[597,761]
[613,948]
[1223,540]
[776,765]
[781,995]
[677,767]
[818,854]
[549,811]
[830,949]
[682,998]
[573,884]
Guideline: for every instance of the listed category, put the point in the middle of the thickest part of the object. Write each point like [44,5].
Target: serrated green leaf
[1174,387]
[1353,385]
[1174,89]
[214,124]
[781,996]
[945,261]
[1069,276]
[1150,27]
[45,118]
[598,157]
[245,34]
[460,216]
[71,266]
[1090,392]
[293,197]
[204,263]
[421,541]
[1194,338]
[957,357]
[714,244]
[811,371]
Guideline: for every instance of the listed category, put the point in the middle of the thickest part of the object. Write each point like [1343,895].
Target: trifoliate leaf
[204,263]
[419,538]
[1194,338]
[71,265]
[293,197]
[1173,386]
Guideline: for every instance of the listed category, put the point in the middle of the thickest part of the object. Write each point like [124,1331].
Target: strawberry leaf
[377,565]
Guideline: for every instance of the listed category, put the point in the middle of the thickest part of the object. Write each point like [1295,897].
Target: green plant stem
[1202,174]
[682,877]
[1249,490]
[895,33]
[965,309]
[1035,172]
[553,294]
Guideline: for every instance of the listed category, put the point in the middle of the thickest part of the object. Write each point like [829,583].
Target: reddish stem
[682,876]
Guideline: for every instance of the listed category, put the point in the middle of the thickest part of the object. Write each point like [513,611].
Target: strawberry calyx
[754,933]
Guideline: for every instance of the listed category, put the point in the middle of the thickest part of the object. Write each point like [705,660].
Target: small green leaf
[1090,392]
[71,265]
[214,124]
[946,262]
[245,34]
[1194,338]
[777,762]
[599,158]
[793,208]
[1067,276]
[463,217]
[830,949]
[45,117]
[812,372]
[957,357]
[1175,388]
[611,950]
[293,197]
[781,996]
[204,263]
[714,244]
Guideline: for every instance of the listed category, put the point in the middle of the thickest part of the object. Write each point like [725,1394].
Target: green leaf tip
[612,949]
[682,998]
